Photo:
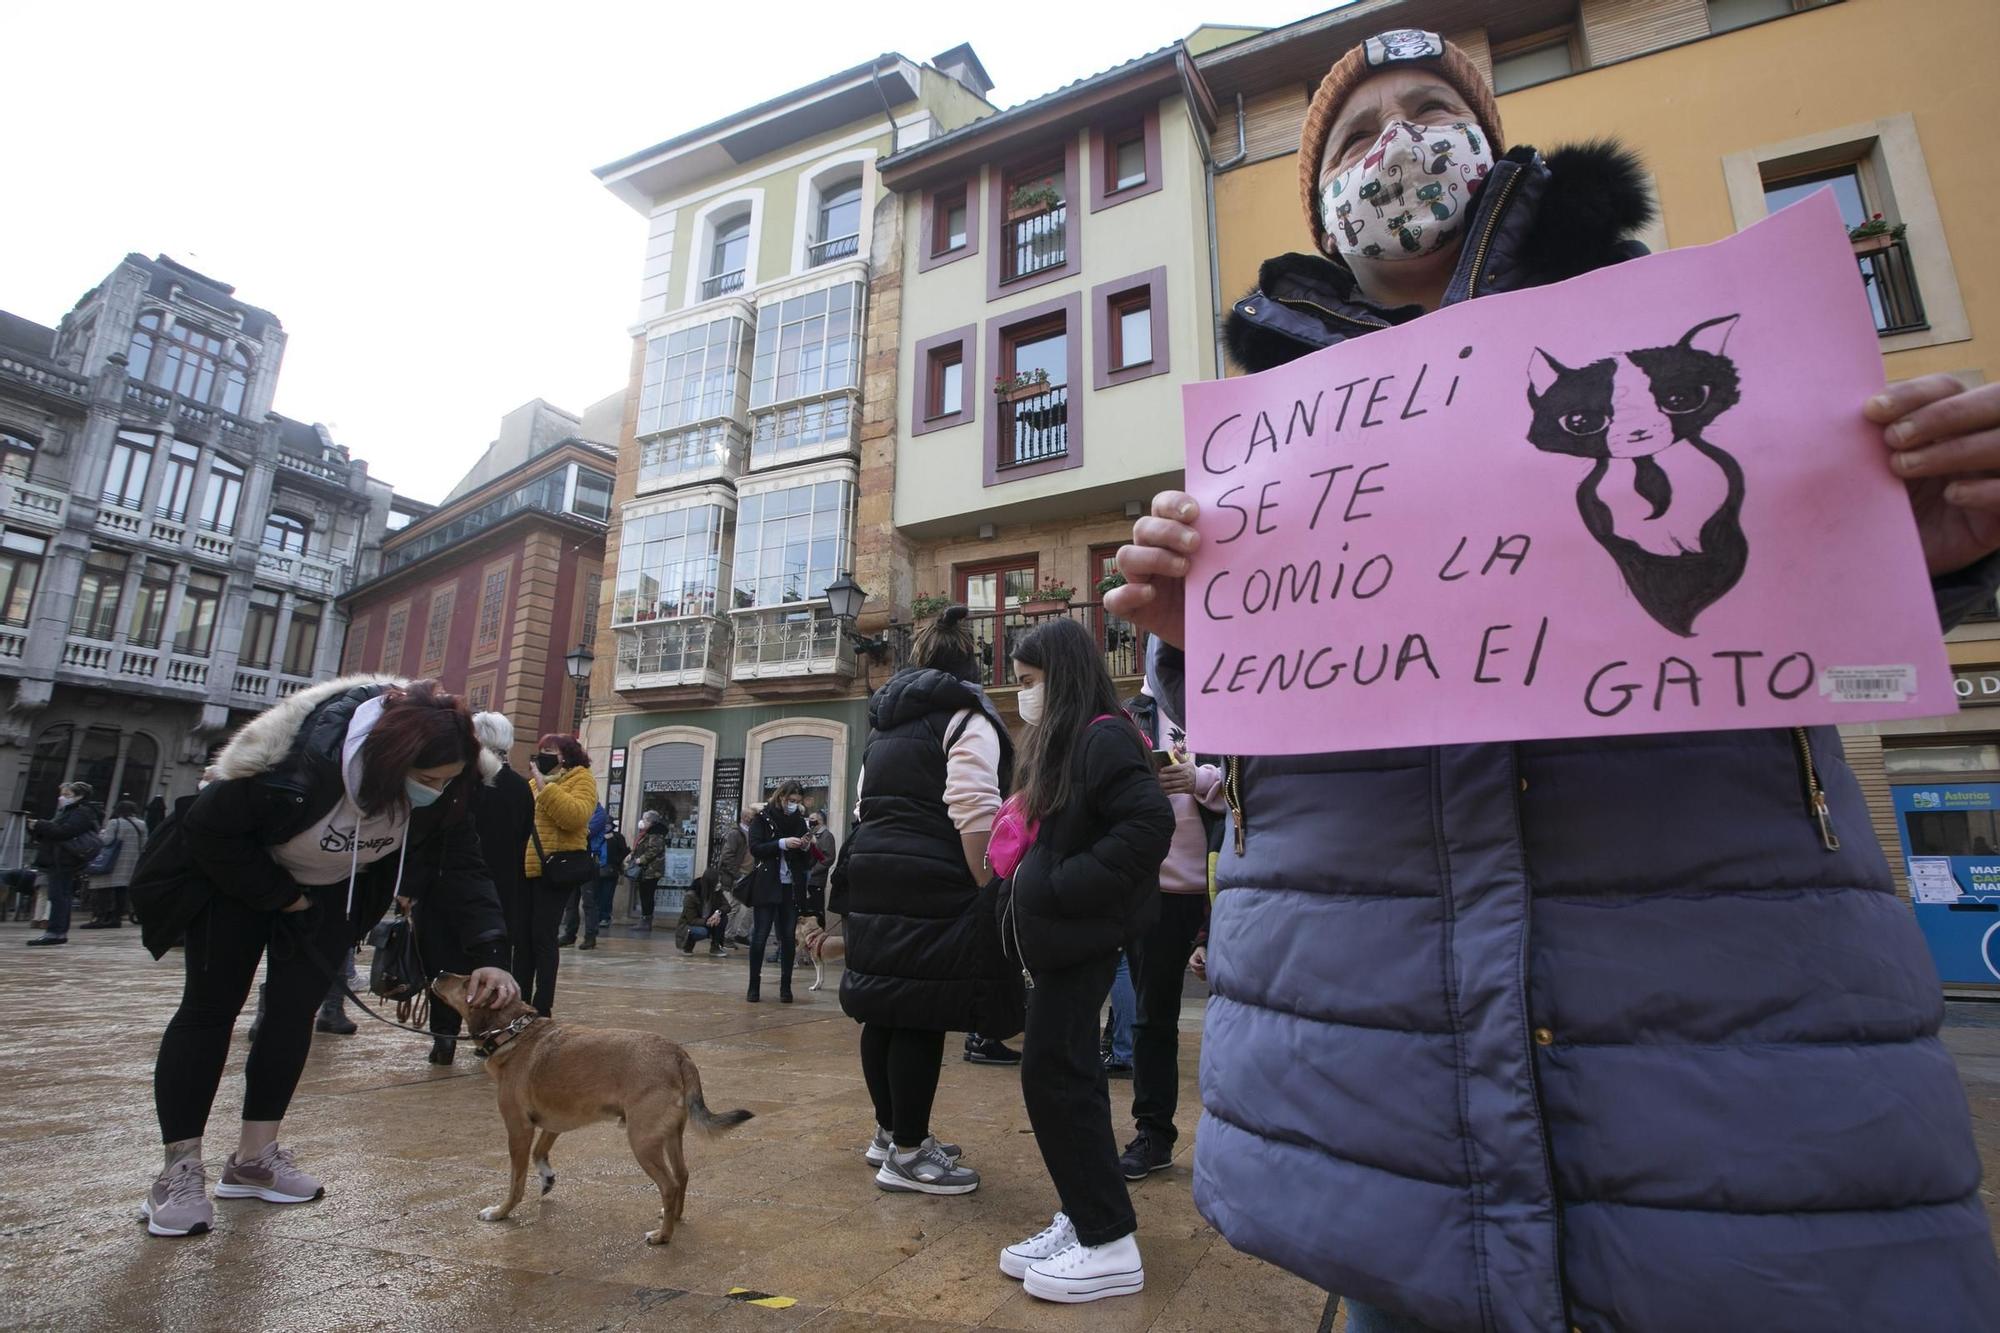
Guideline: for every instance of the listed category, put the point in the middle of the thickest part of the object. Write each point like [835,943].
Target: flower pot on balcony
[1868,245]
[1047,607]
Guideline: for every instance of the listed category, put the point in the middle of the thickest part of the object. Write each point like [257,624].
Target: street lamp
[845,598]
[579,660]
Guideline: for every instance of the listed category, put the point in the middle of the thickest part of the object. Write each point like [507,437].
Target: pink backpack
[1014,833]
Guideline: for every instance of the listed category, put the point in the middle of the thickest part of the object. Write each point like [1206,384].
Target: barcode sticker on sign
[1868,684]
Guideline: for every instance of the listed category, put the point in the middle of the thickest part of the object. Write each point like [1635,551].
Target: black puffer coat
[280,774]
[70,821]
[768,828]
[923,946]
[1091,882]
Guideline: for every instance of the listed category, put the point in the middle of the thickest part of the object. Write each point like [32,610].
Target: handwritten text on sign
[1643,500]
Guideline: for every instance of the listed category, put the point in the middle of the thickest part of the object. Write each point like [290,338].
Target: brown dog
[555,1077]
[817,946]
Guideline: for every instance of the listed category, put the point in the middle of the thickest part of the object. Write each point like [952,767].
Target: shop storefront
[1944,789]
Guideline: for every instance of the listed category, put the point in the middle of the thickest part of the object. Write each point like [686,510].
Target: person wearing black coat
[321,811]
[783,852]
[1088,882]
[503,815]
[923,947]
[75,815]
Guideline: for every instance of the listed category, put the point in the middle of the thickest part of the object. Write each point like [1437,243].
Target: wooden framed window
[1534,59]
[1130,336]
[260,630]
[437,631]
[950,224]
[1125,160]
[947,385]
[492,608]
[302,638]
[1035,215]
[395,631]
[994,591]
[1037,390]
[356,643]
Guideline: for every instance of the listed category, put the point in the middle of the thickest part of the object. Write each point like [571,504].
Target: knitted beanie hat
[1401,46]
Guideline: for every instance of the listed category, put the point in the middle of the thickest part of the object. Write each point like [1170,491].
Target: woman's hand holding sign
[1945,443]
[1155,566]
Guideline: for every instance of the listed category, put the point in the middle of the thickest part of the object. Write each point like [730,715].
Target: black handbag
[565,870]
[395,971]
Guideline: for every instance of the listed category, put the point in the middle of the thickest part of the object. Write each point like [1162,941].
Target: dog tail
[705,1120]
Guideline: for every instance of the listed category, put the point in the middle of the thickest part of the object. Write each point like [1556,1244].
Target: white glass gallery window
[670,564]
[791,543]
[807,345]
[693,375]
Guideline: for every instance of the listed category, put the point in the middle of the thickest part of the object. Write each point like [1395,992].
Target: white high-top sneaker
[1088,1272]
[1047,1243]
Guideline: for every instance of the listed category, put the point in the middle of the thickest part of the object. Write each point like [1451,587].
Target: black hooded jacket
[70,821]
[923,948]
[281,773]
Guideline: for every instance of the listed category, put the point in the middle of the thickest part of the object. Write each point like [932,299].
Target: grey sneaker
[178,1205]
[271,1175]
[882,1145]
[928,1172]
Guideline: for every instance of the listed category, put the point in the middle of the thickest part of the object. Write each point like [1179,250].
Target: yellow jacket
[562,816]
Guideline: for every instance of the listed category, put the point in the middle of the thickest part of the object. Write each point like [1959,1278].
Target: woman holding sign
[1626,1032]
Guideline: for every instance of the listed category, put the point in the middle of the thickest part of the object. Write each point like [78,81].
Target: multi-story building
[722,671]
[1740,107]
[1055,296]
[490,592]
[170,548]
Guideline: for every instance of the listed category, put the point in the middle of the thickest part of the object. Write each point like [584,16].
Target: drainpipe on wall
[1216,303]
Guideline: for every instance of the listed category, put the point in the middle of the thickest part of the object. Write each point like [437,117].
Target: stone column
[883,556]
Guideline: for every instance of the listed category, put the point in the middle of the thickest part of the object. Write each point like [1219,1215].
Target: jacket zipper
[1014,928]
[1332,314]
[1232,792]
[1816,805]
[1486,237]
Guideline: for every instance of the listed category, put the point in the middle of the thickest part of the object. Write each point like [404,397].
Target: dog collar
[491,1041]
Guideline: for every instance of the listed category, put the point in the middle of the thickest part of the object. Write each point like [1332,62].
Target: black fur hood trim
[1575,212]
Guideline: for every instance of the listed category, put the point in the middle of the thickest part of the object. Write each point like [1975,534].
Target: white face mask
[1408,196]
[1030,703]
[791,807]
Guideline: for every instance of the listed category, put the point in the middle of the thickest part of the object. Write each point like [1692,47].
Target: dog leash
[340,979]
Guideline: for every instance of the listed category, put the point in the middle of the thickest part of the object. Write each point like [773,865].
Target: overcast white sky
[407,186]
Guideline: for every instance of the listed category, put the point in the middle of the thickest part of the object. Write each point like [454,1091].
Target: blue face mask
[420,795]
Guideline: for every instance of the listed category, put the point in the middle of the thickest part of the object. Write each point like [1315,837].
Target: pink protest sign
[1641,500]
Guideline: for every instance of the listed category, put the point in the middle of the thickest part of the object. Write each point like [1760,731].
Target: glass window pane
[954,227]
[1845,184]
[1528,67]
[951,387]
[1135,335]
[1049,354]
[1130,168]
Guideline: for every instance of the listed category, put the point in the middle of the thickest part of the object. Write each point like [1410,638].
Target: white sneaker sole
[146,1211]
[227,1191]
[1076,1291]
[895,1184]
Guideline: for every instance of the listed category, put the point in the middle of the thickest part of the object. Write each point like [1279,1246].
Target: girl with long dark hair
[923,956]
[1087,883]
[322,810]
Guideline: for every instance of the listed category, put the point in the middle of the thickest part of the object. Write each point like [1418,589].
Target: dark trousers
[224,942]
[785,919]
[62,895]
[1159,959]
[533,915]
[643,890]
[902,1066]
[1069,1107]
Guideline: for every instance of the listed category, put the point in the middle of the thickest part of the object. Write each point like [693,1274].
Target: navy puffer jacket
[1599,1034]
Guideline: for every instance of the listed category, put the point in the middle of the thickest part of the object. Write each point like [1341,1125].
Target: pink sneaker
[178,1205]
[271,1175]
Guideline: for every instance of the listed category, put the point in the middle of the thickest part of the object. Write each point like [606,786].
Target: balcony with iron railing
[672,655]
[1891,282]
[1034,427]
[838,247]
[1036,242]
[722,284]
[812,644]
[993,632]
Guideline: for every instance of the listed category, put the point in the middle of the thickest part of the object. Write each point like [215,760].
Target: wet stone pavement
[782,1205]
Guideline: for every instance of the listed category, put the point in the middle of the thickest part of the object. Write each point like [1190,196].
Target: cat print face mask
[1408,197]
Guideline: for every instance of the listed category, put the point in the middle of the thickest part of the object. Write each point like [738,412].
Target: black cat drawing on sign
[1662,501]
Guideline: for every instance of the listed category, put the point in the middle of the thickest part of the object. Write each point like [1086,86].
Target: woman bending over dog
[320,812]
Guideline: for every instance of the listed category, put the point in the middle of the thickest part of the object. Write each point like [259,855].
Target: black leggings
[534,912]
[224,942]
[902,1067]
[785,920]
[1069,1107]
